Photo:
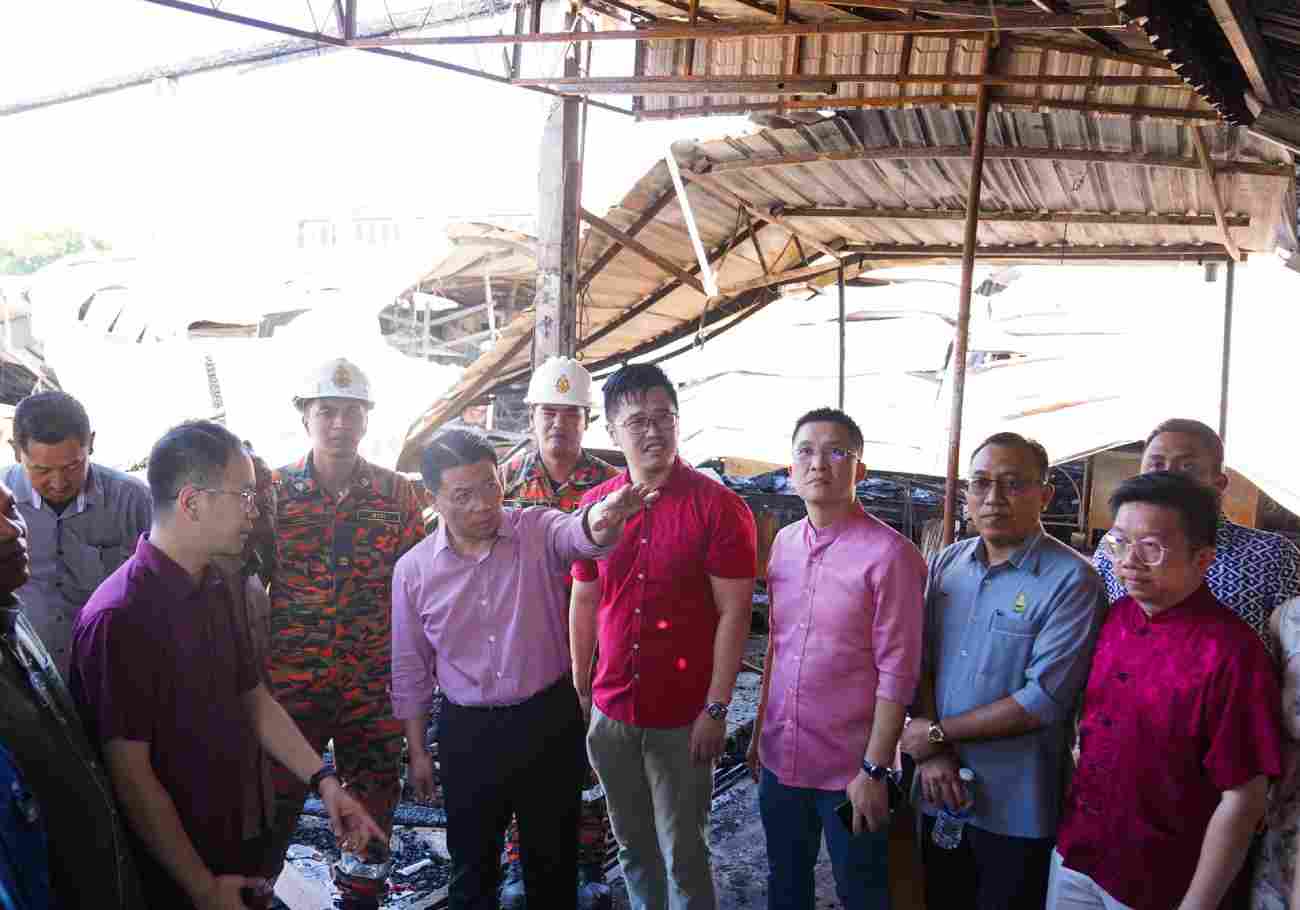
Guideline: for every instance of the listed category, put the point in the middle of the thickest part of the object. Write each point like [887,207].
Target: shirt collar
[678,477]
[91,491]
[175,581]
[1200,598]
[442,540]
[306,471]
[1026,556]
[835,528]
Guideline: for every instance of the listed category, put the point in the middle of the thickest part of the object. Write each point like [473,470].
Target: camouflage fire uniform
[527,484]
[331,629]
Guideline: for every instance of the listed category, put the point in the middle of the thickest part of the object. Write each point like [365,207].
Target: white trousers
[1070,890]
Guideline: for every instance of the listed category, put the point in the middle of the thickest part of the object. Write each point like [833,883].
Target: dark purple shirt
[156,659]
[1179,708]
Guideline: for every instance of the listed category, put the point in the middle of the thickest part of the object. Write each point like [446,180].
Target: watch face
[716,711]
[936,733]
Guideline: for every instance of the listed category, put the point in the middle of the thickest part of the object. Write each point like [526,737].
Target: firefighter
[341,524]
[555,471]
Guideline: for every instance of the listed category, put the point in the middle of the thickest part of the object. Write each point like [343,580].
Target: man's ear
[860,474]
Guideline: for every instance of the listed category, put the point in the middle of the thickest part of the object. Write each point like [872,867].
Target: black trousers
[986,872]
[527,761]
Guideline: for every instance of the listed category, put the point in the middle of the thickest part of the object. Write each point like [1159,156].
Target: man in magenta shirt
[1179,732]
[670,606]
[479,609]
[843,661]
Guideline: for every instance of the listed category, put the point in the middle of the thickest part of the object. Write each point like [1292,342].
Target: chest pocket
[366,547]
[87,565]
[1008,647]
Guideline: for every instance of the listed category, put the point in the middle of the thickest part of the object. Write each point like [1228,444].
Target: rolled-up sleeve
[414,676]
[1062,651]
[898,589]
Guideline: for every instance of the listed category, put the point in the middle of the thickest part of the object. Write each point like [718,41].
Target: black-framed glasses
[1008,486]
[1148,550]
[639,425]
[248,497]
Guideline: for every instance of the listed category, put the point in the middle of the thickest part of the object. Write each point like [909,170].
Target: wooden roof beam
[1237,20]
[685,32]
[1129,218]
[776,278]
[1185,251]
[636,246]
[807,85]
[1047,44]
[1207,166]
[645,217]
[726,196]
[1022,153]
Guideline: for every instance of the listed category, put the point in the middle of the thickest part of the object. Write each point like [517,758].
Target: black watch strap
[873,770]
[326,770]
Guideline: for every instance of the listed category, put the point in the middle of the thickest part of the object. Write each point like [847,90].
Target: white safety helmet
[335,378]
[560,380]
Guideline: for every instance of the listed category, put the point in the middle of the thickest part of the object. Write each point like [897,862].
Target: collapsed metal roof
[793,204]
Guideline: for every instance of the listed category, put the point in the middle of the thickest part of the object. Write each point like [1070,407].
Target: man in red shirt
[670,608]
[1179,732]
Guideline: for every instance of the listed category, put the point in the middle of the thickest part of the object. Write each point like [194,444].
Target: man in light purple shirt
[843,661]
[480,609]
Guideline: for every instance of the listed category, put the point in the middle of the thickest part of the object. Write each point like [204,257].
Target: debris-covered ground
[421,867]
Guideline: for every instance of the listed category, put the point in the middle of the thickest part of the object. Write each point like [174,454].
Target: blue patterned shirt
[1254,572]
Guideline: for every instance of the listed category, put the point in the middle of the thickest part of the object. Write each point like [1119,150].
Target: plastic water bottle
[949,825]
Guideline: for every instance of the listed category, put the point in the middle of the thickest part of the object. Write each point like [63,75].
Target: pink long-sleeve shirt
[492,630]
[846,618]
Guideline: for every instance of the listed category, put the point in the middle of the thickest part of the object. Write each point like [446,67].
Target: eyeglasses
[640,425]
[1008,486]
[805,454]
[1148,550]
[248,497]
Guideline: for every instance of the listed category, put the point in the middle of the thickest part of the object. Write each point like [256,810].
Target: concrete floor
[740,859]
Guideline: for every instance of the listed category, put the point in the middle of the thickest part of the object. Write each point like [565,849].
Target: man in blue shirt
[1011,619]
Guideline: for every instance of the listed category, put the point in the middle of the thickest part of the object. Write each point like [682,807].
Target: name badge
[1019,605]
[379,515]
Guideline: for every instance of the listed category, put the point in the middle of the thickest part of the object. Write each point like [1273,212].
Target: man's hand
[751,759]
[584,702]
[707,738]
[870,800]
[419,773]
[940,783]
[619,506]
[915,740]
[223,894]
[352,824]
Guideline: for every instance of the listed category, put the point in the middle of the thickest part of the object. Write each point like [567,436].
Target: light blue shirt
[1023,629]
[73,552]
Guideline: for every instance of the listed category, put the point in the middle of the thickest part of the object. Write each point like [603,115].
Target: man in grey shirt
[1011,619]
[83,519]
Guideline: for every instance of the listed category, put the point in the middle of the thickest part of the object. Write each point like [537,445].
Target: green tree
[29,251]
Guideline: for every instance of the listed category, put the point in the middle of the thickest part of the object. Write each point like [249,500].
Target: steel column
[1227,351]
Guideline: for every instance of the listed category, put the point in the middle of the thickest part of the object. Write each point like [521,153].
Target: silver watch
[716,709]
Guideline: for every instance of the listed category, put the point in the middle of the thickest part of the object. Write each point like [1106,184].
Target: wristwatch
[326,770]
[936,736]
[873,770]
[716,709]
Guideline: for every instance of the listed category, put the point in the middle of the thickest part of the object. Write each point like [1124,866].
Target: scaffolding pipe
[963,312]
[1227,351]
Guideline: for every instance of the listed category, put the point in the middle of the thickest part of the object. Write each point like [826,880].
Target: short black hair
[833,415]
[453,449]
[1201,431]
[634,380]
[196,452]
[1195,503]
[49,418]
[1016,441]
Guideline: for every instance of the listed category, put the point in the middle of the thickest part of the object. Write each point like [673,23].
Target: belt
[553,687]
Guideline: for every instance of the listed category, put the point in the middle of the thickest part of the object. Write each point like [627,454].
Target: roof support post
[1227,350]
[559,186]
[839,278]
[962,335]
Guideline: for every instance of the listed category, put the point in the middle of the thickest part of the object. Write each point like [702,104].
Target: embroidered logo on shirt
[1019,605]
[376,515]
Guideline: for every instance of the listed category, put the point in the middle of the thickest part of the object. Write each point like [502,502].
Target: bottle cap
[967,775]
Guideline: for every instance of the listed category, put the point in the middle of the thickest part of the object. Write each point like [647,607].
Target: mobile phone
[845,811]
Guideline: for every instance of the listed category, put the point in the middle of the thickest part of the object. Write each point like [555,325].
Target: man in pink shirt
[1179,731]
[479,609]
[843,661]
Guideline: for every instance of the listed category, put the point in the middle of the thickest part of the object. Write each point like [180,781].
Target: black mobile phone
[845,809]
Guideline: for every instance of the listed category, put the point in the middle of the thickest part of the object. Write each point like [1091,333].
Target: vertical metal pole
[1227,351]
[963,310]
[840,278]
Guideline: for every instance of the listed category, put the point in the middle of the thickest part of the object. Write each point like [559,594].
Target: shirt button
[636,675]
[965,654]
[498,674]
[483,602]
[637,611]
[640,575]
[636,647]
[1123,677]
[644,540]
[492,638]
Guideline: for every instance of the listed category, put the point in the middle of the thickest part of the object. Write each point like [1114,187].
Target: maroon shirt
[1179,709]
[656,619]
[156,659]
